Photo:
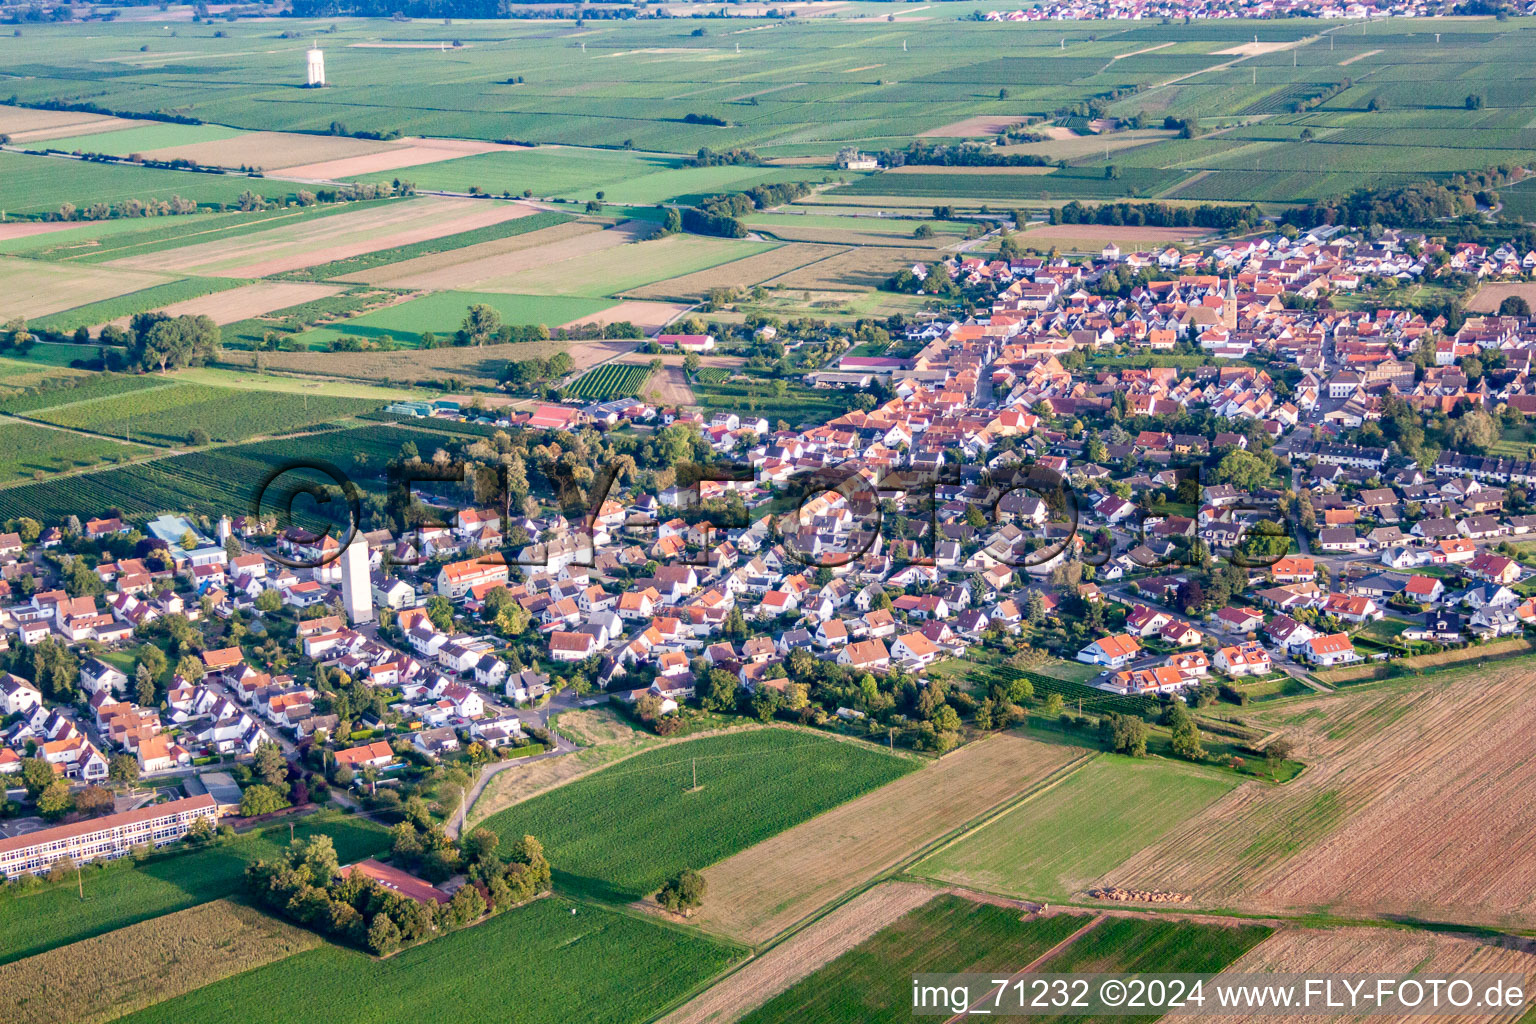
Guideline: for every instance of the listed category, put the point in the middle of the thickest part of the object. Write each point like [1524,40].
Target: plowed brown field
[1373,951]
[1419,800]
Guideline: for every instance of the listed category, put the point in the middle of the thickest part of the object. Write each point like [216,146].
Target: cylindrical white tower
[316,67]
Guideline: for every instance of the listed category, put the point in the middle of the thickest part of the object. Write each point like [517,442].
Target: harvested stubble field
[466,267]
[390,156]
[23,123]
[269,150]
[855,269]
[105,977]
[294,247]
[1441,771]
[34,288]
[483,365]
[648,316]
[775,971]
[670,387]
[742,273]
[622,268]
[1375,951]
[621,832]
[1489,296]
[246,301]
[764,889]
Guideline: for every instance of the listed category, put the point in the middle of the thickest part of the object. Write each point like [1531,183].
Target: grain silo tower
[316,66]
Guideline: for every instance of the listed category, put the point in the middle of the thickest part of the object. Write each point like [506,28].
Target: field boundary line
[84,401]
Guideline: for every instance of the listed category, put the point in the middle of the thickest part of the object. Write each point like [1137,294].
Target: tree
[153,658]
[1128,734]
[144,686]
[54,801]
[270,763]
[1514,305]
[481,325]
[721,692]
[123,768]
[1185,738]
[383,935]
[260,799]
[269,601]
[1277,753]
[94,800]
[684,893]
[440,611]
[191,668]
[467,905]
[36,775]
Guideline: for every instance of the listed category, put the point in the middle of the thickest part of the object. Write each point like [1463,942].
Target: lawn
[623,831]
[442,313]
[872,983]
[551,960]
[120,895]
[169,414]
[26,450]
[1054,844]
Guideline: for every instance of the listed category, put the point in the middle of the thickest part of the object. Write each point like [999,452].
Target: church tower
[1229,307]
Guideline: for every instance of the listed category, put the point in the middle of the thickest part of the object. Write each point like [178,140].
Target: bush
[684,893]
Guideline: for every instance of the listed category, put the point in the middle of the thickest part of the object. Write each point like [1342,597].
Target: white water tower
[316,66]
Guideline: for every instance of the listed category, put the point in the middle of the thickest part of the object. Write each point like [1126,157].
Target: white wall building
[356,586]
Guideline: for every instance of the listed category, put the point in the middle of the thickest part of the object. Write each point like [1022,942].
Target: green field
[142,301]
[139,139]
[120,895]
[1072,834]
[615,380]
[542,962]
[40,184]
[442,313]
[800,404]
[79,389]
[1070,183]
[1132,945]
[212,482]
[26,450]
[622,832]
[579,174]
[168,414]
[872,983]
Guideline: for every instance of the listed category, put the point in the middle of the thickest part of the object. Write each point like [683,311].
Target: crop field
[579,174]
[212,482]
[34,289]
[1489,296]
[1435,771]
[331,304]
[40,184]
[766,888]
[120,896]
[872,981]
[141,139]
[623,831]
[120,308]
[251,300]
[742,273]
[110,975]
[648,316]
[800,404]
[466,267]
[853,269]
[786,963]
[442,313]
[1054,844]
[77,389]
[632,968]
[98,241]
[447,243]
[621,268]
[1070,183]
[481,366]
[613,380]
[296,246]
[1385,950]
[19,377]
[167,415]
[27,450]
